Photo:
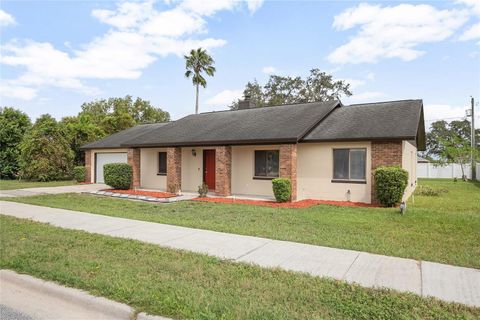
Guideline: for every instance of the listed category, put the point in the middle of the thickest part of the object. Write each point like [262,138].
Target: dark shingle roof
[287,123]
[308,122]
[115,140]
[373,121]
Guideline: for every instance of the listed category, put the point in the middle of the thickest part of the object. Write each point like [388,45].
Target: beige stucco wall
[243,171]
[315,173]
[192,168]
[409,163]
[149,169]
[92,159]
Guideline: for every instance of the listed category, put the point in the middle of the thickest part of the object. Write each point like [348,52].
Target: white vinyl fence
[451,170]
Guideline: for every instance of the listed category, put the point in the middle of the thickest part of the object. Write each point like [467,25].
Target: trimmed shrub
[203,190]
[390,184]
[282,189]
[118,175]
[80,173]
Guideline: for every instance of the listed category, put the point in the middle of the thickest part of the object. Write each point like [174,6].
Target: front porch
[229,171]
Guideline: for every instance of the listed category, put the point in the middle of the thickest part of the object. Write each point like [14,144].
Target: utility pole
[474,146]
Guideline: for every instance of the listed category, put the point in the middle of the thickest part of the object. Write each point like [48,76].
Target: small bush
[390,184]
[79,173]
[282,189]
[118,175]
[429,192]
[203,190]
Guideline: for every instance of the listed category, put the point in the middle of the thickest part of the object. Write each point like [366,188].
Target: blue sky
[56,55]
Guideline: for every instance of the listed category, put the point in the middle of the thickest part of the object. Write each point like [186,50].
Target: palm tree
[196,63]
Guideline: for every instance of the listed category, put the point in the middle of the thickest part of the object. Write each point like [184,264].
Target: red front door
[209,168]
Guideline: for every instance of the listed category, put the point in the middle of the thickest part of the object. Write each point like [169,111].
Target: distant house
[326,149]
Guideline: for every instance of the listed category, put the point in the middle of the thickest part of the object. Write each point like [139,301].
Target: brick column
[133,158]
[288,166]
[223,171]
[88,166]
[385,153]
[174,169]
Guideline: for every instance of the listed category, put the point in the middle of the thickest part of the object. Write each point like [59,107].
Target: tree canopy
[317,86]
[451,142]
[116,114]
[45,152]
[13,125]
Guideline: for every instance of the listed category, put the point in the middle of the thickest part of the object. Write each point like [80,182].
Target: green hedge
[390,184]
[80,173]
[282,189]
[118,175]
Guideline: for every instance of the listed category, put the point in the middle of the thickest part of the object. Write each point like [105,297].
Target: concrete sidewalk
[27,297]
[445,282]
[78,188]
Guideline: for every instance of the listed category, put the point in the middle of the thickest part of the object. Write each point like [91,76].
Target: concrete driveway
[79,188]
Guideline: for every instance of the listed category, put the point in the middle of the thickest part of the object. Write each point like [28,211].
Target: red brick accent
[174,169]
[133,158]
[223,171]
[288,166]
[385,153]
[88,166]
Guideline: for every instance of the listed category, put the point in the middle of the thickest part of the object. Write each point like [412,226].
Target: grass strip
[185,285]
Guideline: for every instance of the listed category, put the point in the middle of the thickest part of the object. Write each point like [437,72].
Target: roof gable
[373,121]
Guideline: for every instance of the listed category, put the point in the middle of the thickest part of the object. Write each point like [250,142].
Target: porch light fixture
[194,152]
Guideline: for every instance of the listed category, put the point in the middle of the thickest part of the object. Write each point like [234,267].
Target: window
[162,163]
[349,165]
[266,164]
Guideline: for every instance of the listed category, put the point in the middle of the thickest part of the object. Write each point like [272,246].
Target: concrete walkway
[445,282]
[78,188]
[29,298]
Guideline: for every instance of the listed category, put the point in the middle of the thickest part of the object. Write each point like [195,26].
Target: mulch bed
[299,204]
[156,194]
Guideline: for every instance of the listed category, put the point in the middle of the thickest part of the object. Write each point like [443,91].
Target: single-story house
[327,150]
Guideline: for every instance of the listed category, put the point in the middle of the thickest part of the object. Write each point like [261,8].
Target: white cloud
[6,19]
[473,4]
[471,33]
[225,98]
[139,35]
[434,112]
[17,92]
[269,70]
[393,31]
[254,5]
[354,83]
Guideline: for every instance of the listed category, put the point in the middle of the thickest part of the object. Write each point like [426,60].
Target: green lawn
[444,229]
[192,286]
[22,184]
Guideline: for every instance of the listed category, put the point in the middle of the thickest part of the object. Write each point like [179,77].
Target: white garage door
[104,158]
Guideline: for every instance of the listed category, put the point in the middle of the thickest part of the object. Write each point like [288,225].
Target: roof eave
[212,143]
[359,139]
